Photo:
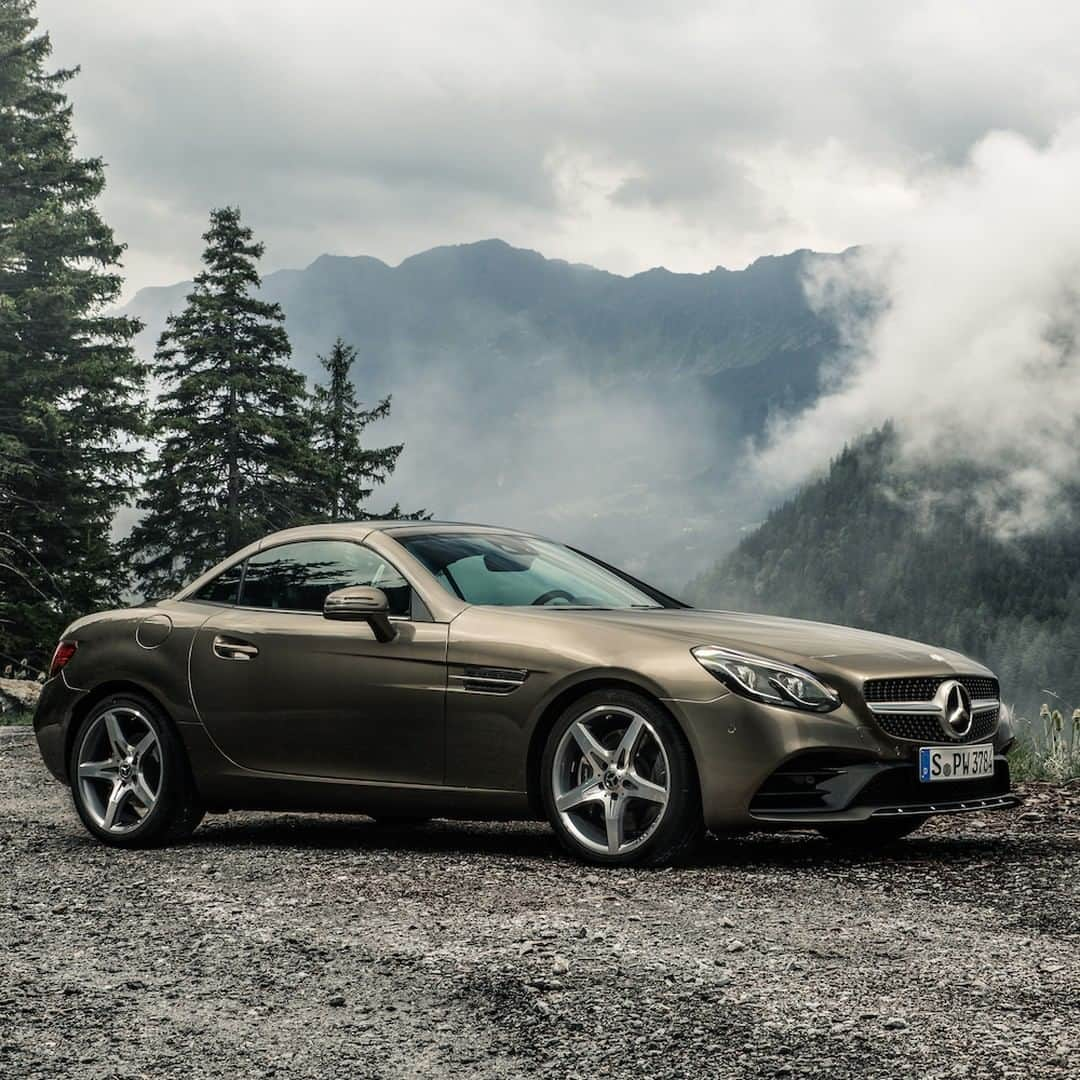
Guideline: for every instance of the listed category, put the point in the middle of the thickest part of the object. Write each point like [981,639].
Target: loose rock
[306,947]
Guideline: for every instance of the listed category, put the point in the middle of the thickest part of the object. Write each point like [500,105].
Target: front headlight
[767,680]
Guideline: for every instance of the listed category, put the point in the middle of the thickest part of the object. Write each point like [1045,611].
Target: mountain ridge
[498,269]
[598,398]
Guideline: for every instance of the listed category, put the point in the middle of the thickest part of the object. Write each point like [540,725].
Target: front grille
[929,729]
[916,726]
[924,687]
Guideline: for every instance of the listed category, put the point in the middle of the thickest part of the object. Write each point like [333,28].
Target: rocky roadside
[284,946]
[18,698]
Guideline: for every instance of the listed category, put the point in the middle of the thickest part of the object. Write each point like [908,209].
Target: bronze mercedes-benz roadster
[408,670]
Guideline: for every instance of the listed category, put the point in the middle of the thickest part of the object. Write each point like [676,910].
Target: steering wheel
[552,594]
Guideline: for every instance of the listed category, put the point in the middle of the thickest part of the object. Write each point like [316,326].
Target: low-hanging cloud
[617,468]
[626,135]
[963,330]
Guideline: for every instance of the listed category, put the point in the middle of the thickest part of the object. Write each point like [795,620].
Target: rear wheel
[619,783]
[877,832]
[130,778]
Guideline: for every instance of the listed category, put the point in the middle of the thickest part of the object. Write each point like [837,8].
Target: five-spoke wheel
[129,776]
[119,769]
[610,779]
[618,781]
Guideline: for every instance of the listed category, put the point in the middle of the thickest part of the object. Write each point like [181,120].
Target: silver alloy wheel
[120,769]
[610,779]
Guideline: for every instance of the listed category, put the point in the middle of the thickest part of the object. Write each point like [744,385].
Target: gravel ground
[292,946]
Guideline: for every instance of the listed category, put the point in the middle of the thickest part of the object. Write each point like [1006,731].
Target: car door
[283,690]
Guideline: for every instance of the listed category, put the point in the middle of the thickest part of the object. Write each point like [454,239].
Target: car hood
[860,652]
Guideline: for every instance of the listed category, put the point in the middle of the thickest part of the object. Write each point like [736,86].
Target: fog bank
[962,330]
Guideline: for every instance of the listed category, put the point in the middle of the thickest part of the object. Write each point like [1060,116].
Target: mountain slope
[556,396]
[863,546]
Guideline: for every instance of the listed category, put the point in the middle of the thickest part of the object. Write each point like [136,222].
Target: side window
[297,577]
[224,588]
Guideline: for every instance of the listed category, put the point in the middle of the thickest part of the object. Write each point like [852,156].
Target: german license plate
[955,762]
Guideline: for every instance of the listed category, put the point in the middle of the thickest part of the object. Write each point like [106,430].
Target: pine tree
[70,385]
[232,420]
[344,474]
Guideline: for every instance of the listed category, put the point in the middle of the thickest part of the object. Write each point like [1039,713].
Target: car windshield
[518,571]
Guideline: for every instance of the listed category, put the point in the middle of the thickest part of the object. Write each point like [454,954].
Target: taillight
[64,652]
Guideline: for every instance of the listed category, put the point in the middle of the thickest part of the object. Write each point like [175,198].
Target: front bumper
[765,767]
[815,789]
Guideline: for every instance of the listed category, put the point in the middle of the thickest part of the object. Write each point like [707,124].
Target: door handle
[227,649]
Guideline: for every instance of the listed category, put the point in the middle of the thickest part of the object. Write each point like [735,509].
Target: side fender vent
[488,680]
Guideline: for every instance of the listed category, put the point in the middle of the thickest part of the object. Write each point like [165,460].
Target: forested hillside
[865,545]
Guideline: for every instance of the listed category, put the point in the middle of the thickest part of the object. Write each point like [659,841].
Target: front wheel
[130,777]
[877,832]
[619,783]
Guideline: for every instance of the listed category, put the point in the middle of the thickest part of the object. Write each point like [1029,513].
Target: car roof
[357,529]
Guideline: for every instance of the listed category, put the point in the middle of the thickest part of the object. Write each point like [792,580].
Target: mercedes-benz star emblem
[955,704]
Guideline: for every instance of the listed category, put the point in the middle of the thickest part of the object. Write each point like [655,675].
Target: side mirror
[359,603]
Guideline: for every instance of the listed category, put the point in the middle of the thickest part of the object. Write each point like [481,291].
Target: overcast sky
[623,134]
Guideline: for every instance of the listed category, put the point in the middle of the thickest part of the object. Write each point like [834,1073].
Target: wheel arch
[561,701]
[98,694]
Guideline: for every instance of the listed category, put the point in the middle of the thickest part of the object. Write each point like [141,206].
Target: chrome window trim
[319,614]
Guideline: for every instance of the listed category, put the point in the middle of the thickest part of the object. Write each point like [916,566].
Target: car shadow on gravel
[519,839]
[529,840]
[793,849]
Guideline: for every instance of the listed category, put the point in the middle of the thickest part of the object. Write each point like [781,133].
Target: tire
[400,820]
[130,777]
[636,808]
[877,832]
